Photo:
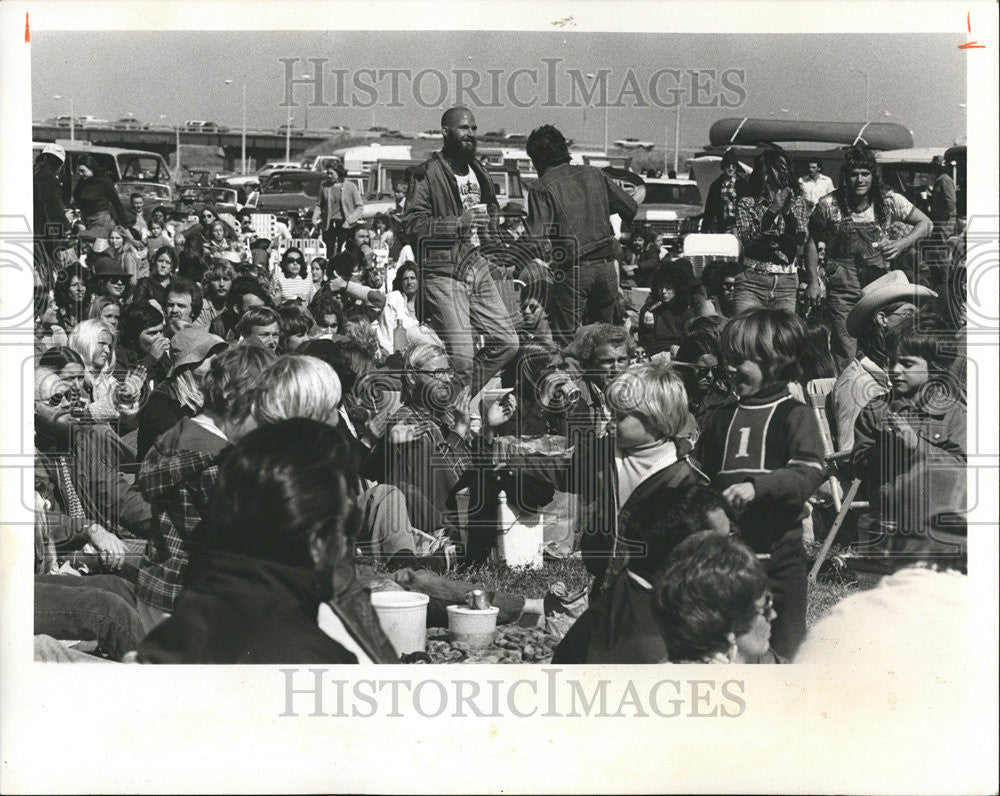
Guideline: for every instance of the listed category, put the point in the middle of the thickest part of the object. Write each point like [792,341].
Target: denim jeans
[786,575]
[99,608]
[777,291]
[843,289]
[462,306]
[584,294]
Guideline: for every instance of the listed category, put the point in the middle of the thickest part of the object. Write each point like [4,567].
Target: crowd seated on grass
[237,442]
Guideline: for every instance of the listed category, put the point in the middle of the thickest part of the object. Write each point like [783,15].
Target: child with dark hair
[666,311]
[910,447]
[766,456]
[619,626]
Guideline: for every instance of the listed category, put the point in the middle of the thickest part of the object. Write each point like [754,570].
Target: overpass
[261,146]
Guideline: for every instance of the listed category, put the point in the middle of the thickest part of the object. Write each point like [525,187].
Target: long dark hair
[860,157]
[772,171]
[66,304]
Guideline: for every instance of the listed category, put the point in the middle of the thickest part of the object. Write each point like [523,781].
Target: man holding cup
[451,209]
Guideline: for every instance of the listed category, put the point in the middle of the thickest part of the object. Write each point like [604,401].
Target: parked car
[198,126]
[671,208]
[278,165]
[634,143]
[288,129]
[93,122]
[430,134]
[378,129]
[130,166]
[339,128]
[289,190]
[130,123]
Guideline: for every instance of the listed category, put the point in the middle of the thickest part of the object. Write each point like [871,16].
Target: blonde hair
[653,392]
[84,339]
[297,386]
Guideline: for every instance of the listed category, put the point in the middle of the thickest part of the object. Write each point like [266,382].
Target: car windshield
[143,168]
[293,183]
[666,194]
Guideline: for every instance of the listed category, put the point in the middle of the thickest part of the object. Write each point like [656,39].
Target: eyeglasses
[440,373]
[729,286]
[768,606]
[294,260]
[116,280]
[706,372]
[58,397]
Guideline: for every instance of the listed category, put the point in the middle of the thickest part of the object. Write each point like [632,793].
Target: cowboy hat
[890,288]
[105,265]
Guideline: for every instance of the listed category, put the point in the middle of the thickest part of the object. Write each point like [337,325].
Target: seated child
[909,446]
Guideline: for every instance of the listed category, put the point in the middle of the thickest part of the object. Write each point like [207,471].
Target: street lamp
[607,112]
[288,135]
[305,118]
[677,138]
[866,76]
[243,130]
[72,117]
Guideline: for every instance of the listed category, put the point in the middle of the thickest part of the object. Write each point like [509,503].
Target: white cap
[56,150]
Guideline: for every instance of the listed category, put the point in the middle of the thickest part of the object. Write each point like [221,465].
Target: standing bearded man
[451,207]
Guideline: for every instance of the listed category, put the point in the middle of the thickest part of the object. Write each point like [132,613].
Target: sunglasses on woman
[116,280]
[58,397]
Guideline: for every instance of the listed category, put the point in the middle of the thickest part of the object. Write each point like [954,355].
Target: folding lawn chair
[817,391]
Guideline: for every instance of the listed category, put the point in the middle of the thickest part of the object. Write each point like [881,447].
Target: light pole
[288,136]
[607,112]
[243,130]
[305,117]
[677,138]
[866,76]
[72,117]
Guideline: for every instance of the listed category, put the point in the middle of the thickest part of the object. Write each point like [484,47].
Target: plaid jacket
[178,480]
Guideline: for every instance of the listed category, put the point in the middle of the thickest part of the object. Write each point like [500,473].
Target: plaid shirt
[179,484]
[424,453]
[729,201]
[771,238]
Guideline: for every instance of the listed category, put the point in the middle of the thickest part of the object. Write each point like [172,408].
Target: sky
[918,80]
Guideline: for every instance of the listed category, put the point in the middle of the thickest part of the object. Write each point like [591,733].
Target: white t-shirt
[469,190]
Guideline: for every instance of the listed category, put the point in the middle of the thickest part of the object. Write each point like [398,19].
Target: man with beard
[572,206]
[451,208]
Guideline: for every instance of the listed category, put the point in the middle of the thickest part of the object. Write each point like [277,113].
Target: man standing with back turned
[572,207]
[451,207]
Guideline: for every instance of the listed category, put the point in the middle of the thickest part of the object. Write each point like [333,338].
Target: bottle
[399,339]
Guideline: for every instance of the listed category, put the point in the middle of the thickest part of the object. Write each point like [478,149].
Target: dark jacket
[432,210]
[245,610]
[572,207]
[97,195]
[618,627]
[49,210]
[667,328]
[159,414]
[713,220]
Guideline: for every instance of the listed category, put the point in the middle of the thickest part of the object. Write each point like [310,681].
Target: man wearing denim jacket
[572,207]
[451,208]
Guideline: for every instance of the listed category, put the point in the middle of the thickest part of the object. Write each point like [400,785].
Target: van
[132,170]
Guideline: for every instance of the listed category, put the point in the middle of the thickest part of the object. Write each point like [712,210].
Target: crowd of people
[235,443]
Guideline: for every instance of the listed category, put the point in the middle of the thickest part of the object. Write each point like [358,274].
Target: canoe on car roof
[877,135]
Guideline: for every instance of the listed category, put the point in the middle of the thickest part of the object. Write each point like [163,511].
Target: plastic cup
[403,617]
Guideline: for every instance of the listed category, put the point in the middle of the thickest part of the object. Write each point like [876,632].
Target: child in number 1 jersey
[765,454]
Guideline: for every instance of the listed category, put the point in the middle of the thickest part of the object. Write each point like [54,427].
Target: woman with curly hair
[666,311]
[713,603]
[860,223]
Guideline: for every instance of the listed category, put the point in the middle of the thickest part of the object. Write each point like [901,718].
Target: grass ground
[833,585]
